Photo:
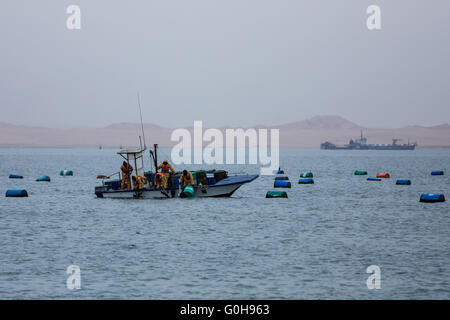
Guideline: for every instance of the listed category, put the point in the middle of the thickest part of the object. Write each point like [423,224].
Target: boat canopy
[130,151]
[135,157]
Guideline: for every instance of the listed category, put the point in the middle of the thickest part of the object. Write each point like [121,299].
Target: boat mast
[155,156]
[142,124]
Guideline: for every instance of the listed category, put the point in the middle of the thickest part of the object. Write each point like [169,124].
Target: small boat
[216,184]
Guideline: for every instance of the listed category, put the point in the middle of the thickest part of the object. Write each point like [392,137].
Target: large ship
[361,144]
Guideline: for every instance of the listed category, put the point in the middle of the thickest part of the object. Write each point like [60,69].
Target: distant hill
[307,133]
[321,123]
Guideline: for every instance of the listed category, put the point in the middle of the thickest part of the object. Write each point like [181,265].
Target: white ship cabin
[135,158]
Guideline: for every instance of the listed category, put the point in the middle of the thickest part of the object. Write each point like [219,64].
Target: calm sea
[315,244]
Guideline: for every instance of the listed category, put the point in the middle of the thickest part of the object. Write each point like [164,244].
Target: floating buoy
[66,173]
[432,197]
[383,175]
[276,194]
[437,173]
[360,173]
[188,192]
[15,176]
[44,178]
[281,178]
[373,179]
[403,182]
[308,174]
[16,193]
[278,171]
[281,184]
[305,181]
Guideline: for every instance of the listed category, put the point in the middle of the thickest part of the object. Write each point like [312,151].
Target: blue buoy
[278,171]
[281,184]
[437,173]
[282,178]
[432,197]
[15,176]
[373,179]
[306,181]
[16,193]
[403,182]
[44,178]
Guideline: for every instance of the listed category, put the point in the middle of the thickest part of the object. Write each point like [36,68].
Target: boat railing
[109,177]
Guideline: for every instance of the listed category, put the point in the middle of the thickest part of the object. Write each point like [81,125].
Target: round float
[16,193]
[276,194]
[44,178]
[281,184]
[432,197]
[306,181]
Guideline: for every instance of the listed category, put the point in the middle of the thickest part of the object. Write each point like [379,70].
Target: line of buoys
[373,179]
[403,182]
[437,173]
[360,173]
[308,174]
[16,193]
[305,181]
[383,175]
[66,173]
[281,184]
[44,178]
[276,194]
[15,176]
[432,197]
[282,178]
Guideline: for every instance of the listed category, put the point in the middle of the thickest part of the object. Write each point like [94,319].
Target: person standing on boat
[126,169]
[165,168]
[187,179]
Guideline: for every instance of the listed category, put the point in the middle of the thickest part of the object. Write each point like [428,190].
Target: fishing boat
[216,184]
[206,184]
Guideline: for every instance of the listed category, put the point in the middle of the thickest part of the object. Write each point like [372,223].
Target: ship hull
[368,147]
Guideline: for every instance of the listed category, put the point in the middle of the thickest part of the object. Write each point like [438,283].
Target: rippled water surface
[315,244]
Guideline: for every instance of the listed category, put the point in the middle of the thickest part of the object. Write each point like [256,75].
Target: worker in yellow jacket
[165,168]
[126,169]
[187,178]
[138,182]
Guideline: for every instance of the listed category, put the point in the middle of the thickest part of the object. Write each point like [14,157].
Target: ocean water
[316,244]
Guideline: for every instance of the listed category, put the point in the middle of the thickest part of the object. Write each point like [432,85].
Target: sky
[225,62]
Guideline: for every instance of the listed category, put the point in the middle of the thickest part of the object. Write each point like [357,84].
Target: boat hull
[221,189]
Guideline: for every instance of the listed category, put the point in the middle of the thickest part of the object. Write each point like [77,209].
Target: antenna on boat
[142,124]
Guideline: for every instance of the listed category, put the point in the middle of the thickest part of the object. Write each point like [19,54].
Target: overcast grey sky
[226,62]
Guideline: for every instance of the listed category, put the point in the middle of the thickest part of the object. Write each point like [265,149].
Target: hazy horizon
[137,123]
[228,63]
